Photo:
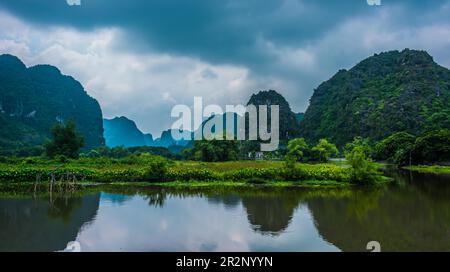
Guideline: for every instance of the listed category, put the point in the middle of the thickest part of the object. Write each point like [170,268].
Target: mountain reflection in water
[413,214]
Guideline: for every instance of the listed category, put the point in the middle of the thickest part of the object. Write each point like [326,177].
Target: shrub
[394,147]
[156,169]
[248,173]
[363,170]
[323,150]
[29,160]
[296,150]
[359,141]
[213,151]
[61,159]
[191,174]
[316,172]
[433,146]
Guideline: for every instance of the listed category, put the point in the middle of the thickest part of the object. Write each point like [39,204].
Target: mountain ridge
[33,99]
[389,92]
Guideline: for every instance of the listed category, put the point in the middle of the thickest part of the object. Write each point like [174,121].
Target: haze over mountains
[124,132]
[121,131]
[386,93]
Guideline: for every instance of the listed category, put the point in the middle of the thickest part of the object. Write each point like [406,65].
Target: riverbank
[433,169]
[27,189]
[160,172]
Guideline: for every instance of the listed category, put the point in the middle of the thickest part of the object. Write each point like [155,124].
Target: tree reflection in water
[413,215]
[40,225]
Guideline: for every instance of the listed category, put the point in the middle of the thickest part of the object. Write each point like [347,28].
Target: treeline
[67,143]
[406,149]
[400,148]
[123,152]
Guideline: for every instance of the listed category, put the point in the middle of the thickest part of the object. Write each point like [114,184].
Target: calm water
[411,215]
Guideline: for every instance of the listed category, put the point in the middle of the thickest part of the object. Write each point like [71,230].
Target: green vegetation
[33,99]
[66,141]
[239,184]
[402,124]
[432,147]
[387,93]
[296,150]
[363,143]
[288,125]
[155,169]
[433,169]
[405,149]
[396,148]
[122,152]
[299,151]
[363,170]
[213,151]
[324,150]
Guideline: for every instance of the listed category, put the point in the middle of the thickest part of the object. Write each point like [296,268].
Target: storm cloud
[139,58]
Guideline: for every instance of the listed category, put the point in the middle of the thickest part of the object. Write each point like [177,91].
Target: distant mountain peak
[46,68]
[289,127]
[268,97]
[121,131]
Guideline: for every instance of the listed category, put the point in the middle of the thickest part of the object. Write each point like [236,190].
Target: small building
[257,156]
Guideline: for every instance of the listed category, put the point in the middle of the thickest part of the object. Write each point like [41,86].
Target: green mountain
[33,99]
[289,126]
[122,131]
[386,93]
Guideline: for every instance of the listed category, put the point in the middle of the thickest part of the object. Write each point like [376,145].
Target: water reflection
[162,220]
[270,215]
[119,199]
[230,201]
[41,225]
[411,215]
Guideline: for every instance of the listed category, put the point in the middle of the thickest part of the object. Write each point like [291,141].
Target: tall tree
[296,149]
[323,150]
[66,141]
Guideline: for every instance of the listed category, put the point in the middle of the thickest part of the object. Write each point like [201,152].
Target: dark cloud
[214,30]
[288,45]
[217,31]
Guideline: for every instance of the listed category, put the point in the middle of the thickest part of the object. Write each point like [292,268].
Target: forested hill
[289,126]
[33,99]
[386,93]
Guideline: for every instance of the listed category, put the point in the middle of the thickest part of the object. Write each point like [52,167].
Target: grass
[434,169]
[226,166]
[148,170]
[239,184]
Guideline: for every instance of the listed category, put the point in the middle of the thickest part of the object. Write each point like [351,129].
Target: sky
[139,58]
